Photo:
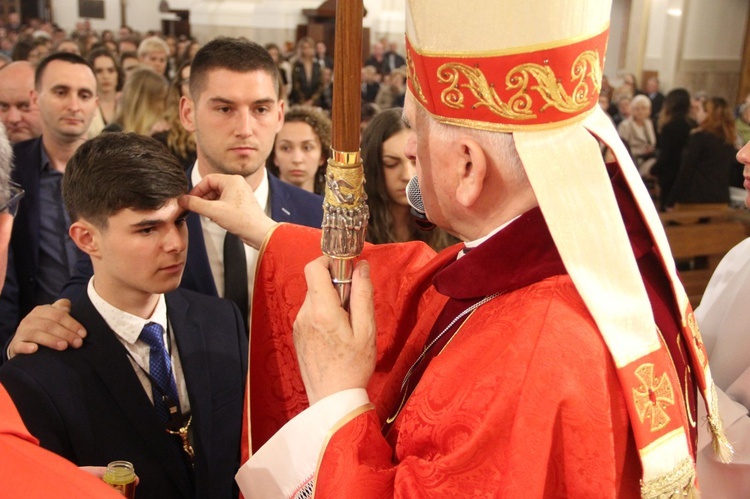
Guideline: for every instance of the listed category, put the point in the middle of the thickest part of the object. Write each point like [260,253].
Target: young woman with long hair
[709,158]
[143,103]
[179,141]
[301,149]
[109,81]
[387,171]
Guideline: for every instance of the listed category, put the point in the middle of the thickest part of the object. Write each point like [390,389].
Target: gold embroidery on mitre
[696,334]
[652,397]
[519,106]
[413,77]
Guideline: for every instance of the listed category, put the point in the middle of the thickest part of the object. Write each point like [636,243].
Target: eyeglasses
[16,193]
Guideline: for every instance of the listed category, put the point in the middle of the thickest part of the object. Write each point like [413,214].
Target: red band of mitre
[531,88]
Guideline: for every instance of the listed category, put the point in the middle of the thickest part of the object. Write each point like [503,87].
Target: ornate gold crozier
[345,211]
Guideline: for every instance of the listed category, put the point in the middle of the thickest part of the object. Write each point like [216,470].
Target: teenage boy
[158,361]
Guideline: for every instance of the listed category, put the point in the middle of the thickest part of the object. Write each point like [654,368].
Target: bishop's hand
[335,349]
[229,201]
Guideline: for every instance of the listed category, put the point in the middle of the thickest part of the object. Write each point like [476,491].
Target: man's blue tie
[160,370]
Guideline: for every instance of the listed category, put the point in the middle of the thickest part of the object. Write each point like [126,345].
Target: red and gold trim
[655,397]
[524,90]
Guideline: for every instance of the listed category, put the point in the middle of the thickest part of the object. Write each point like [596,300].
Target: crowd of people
[684,144]
[124,143]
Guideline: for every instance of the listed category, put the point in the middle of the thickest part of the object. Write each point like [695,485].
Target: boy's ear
[86,236]
[186,113]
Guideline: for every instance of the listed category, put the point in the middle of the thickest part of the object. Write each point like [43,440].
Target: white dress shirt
[128,328]
[213,235]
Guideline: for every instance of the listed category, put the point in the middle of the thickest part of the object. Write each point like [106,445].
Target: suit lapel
[29,213]
[197,276]
[280,212]
[109,358]
[191,343]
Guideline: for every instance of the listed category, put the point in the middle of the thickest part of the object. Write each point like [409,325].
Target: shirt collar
[261,193]
[469,245]
[518,255]
[125,325]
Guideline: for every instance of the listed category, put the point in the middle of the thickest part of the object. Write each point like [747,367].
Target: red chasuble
[30,471]
[522,401]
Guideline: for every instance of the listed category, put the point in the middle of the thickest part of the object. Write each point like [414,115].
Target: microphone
[414,198]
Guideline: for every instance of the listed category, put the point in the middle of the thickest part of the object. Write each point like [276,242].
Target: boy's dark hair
[115,171]
[233,54]
[56,56]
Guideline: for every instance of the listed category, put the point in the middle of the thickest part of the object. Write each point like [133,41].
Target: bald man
[17,112]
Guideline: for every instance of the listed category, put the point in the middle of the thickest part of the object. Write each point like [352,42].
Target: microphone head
[414,198]
[414,195]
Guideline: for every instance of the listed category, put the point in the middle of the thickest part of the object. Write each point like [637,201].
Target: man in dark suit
[235,111]
[41,254]
[656,97]
[159,361]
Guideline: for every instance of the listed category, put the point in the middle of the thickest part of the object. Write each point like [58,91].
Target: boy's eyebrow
[258,102]
[148,222]
[220,100]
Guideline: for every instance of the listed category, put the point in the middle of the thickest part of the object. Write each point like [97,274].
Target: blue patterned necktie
[160,370]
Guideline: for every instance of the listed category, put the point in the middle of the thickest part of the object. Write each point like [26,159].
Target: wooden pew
[699,237]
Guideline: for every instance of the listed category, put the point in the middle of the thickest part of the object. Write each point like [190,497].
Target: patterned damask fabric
[403,292]
[524,402]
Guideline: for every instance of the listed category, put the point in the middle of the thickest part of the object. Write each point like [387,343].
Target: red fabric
[524,402]
[402,292]
[517,92]
[28,471]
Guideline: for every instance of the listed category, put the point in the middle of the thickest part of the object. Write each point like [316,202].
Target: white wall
[715,29]
[142,15]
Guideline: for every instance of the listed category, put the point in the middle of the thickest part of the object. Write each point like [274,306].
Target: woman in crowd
[129,63]
[637,132]
[674,131]
[68,45]
[143,103]
[283,66]
[109,80]
[179,141]
[708,158]
[307,80]
[301,149]
[387,171]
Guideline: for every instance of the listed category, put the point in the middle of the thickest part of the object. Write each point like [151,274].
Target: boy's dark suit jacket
[88,405]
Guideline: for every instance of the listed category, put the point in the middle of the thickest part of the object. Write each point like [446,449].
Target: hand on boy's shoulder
[48,325]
